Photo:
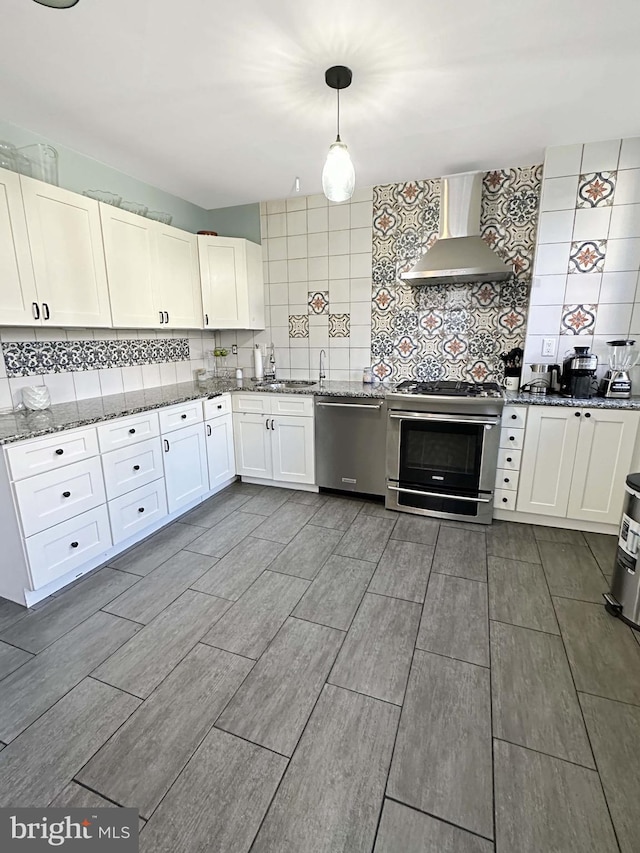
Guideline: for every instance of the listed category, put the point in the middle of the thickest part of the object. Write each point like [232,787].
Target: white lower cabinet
[252,440]
[185,466]
[132,512]
[67,546]
[279,447]
[220,455]
[574,462]
[131,467]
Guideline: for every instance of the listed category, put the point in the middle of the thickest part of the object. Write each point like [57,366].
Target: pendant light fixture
[338,175]
[57,4]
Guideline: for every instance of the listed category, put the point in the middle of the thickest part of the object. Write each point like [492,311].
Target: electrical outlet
[234,349]
[548,346]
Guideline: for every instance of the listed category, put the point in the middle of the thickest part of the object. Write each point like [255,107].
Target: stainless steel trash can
[624,599]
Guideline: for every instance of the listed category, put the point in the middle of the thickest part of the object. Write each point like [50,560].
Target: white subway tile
[151,375]
[87,384]
[562,160]
[360,336]
[61,387]
[283,359]
[360,313]
[47,334]
[552,259]
[8,334]
[359,358]
[339,242]
[338,292]
[279,294]
[300,359]
[111,381]
[339,355]
[298,291]
[278,271]
[627,187]
[361,265]
[319,336]
[600,156]
[277,248]
[339,266]
[299,373]
[168,373]
[362,194]
[297,269]
[279,315]
[339,307]
[319,320]
[544,319]
[6,403]
[339,375]
[315,201]
[318,220]
[339,217]
[298,202]
[625,221]
[279,336]
[362,214]
[278,206]
[297,223]
[559,193]
[618,287]
[16,385]
[277,225]
[630,153]
[318,269]
[3,366]
[548,289]
[318,245]
[361,289]
[183,374]
[613,319]
[361,240]
[263,227]
[556,226]
[592,223]
[297,247]
[635,320]
[583,289]
[622,255]
[132,377]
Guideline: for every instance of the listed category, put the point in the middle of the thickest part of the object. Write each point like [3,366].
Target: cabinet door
[220,457]
[68,255]
[223,271]
[547,460]
[252,441]
[177,278]
[18,291]
[255,286]
[129,245]
[293,450]
[185,466]
[603,459]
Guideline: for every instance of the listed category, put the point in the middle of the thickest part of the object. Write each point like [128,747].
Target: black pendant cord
[338,119]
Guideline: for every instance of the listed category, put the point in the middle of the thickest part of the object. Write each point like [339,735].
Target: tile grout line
[441,819]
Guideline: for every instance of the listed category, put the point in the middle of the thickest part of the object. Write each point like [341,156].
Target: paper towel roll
[257,362]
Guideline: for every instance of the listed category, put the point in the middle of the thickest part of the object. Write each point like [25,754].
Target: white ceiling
[223,102]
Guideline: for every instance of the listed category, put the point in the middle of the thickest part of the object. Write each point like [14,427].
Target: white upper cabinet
[153,272]
[232,283]
[129,249]
[18,295]
[178,277]
[68,256]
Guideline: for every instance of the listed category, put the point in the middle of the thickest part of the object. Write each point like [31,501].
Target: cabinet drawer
[509,459]
[506,479]
[258,403]
[136,510]
[503,499]
[293,404]
[56,496]
[176,417]
[68,546]
[53,451]
[131,467]
[124,432]
[217,407]
[514,416]
[510,437]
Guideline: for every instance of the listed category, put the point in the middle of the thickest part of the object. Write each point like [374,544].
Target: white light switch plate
[548,346]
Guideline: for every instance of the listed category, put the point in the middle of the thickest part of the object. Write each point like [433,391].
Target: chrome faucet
[322,373]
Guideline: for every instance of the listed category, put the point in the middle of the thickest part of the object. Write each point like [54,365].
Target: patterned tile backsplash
[452,331]
[32,358]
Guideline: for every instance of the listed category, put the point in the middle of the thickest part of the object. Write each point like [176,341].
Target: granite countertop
[524,397]
[18,426]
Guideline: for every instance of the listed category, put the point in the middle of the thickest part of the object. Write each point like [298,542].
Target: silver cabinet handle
[375,406]
[440,495]
[446,419]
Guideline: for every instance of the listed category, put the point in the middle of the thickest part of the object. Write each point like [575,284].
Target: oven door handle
[440,495]
[446,419]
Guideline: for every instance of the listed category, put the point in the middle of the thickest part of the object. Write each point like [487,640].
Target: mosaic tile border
[30,358]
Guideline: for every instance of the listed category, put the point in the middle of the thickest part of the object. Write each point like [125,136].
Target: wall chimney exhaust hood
[459,254]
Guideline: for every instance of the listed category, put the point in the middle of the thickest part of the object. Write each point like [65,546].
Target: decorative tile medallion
[318,302]
[298,325]
[578,319]
[596,189]
[30,358]
[455,331]
[587,256]
[339,325]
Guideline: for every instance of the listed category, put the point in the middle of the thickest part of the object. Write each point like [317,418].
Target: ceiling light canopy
[338,175]
[57,4]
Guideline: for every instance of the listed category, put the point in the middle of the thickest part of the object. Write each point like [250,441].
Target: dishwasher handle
[376,406]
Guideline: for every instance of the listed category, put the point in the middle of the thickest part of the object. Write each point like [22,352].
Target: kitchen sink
[286,383]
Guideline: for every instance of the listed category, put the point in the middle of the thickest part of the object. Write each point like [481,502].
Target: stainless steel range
[442,448]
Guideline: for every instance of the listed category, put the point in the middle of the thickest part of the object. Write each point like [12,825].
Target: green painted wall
[242,220]
[77,172]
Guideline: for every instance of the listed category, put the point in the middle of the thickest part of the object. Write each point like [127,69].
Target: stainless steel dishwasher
[351,444]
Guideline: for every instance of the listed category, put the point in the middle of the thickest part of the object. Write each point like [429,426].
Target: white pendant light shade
[338,175]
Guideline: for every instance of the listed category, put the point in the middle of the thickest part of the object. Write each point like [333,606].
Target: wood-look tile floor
[282,672]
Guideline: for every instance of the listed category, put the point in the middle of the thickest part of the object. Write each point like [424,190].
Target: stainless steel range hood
[459,254]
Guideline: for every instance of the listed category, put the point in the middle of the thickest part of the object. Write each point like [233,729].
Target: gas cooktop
[449,388]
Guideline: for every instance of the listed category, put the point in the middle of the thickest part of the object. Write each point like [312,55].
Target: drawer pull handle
[587,414]
[220,406]
[140,509]
[504,500]
[206,319]
[577,414]
[512,438]
[514,417]
[66,494]
[136,467]
[132,431]
[208,429]
[509,459]
[74,544]
[59,451]
[506,479]
[183,417]
[166,446]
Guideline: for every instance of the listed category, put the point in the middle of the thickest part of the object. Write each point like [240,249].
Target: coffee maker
[616,382]
[578,373]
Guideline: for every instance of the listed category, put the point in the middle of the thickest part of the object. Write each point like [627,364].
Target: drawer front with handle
[182,415]
[504,499]
[131,467]
[136,510]
[514,416]
[217,407]
[68,546]
[260,404]
[506,479]
[124,432]
[511,437]
[27,458]
[56,496]
[509,458]
[293,404]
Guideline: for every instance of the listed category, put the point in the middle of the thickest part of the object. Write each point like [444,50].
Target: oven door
[442,464]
